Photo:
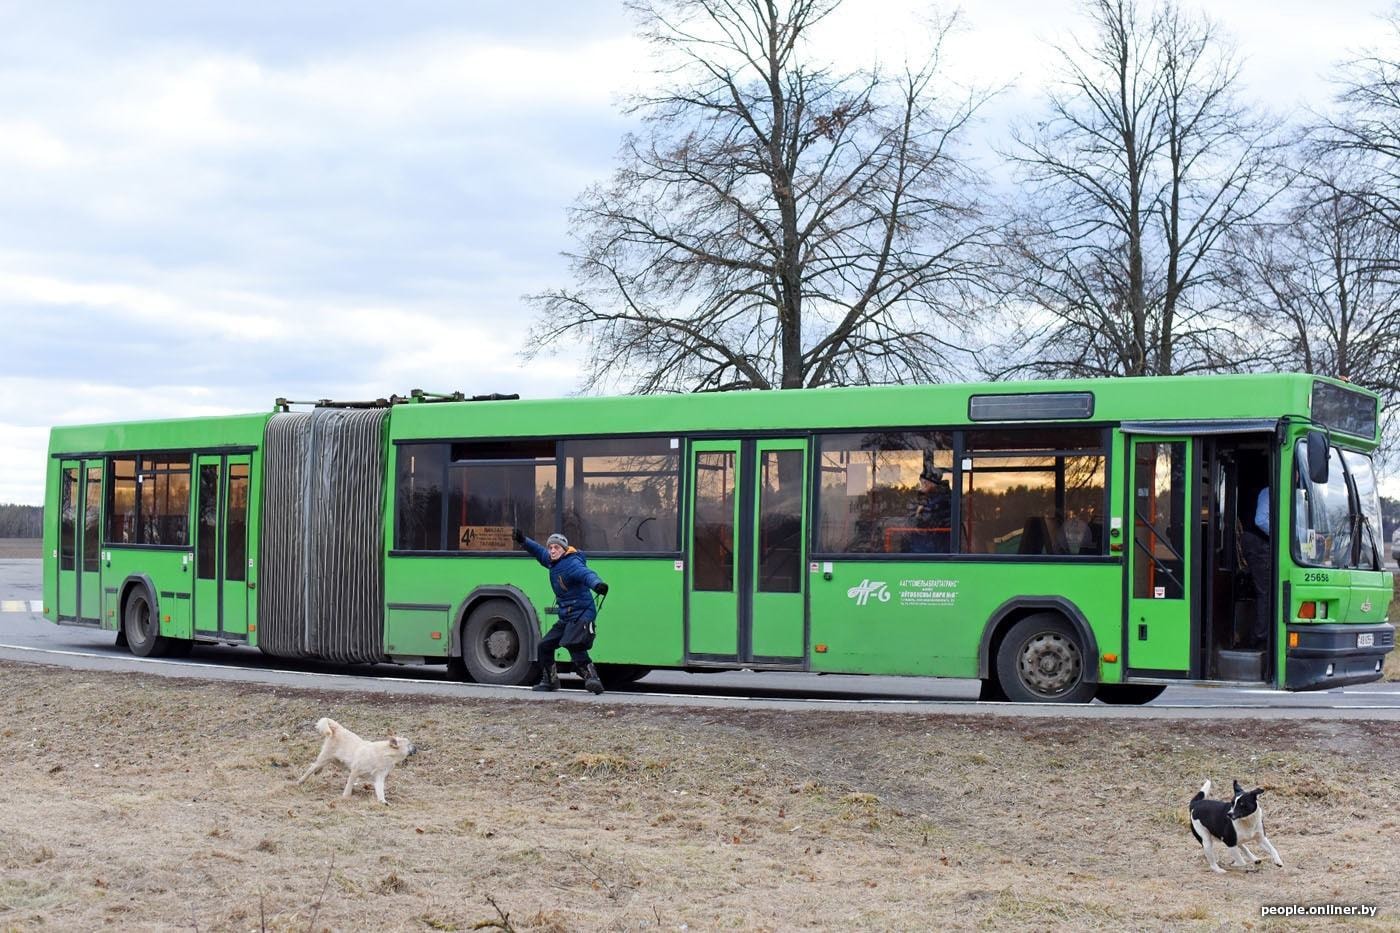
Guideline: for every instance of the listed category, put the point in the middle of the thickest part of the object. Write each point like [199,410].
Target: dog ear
[1238,789]
[1257,791]
[393,741]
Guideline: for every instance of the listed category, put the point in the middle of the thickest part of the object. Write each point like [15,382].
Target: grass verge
[147,802]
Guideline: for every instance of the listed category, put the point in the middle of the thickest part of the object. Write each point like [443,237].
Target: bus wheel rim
[1049,663]
[500,646]
[143,619]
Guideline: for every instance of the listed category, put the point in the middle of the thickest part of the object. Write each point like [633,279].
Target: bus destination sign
[1344,409]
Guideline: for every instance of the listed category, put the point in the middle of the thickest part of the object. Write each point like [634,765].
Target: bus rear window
[164,503]
[149,500]
[121,510]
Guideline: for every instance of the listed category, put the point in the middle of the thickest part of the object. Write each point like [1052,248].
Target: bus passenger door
[776,629]
[79,541]
[90,561]
[1160,586]
[712,598]
[235,595]
[746,601]
[221,545]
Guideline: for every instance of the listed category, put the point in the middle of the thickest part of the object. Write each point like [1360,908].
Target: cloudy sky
[206,206]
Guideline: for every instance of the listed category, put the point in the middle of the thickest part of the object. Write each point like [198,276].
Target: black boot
[549,678]
[591,681]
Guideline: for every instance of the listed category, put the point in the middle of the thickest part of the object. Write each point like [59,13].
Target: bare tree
[1136,179]
[1367,130]
[777,224]
[1309,278]
[1310,281]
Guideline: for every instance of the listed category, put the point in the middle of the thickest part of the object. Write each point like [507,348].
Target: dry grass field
[21,548]
[147,803]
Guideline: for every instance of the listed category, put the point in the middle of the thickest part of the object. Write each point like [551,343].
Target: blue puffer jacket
[573,582]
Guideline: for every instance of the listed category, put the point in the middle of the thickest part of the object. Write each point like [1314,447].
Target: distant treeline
[21,521]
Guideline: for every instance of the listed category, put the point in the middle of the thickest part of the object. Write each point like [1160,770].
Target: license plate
[1367,640]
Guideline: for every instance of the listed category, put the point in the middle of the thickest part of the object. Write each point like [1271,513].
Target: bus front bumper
[1329,656]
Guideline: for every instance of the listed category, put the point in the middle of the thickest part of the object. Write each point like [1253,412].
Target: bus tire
[1041,660]
[496,645]
[142,626]
[1129,694]
[614,676]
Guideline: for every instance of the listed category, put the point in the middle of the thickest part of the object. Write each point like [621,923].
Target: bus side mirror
[1317,457]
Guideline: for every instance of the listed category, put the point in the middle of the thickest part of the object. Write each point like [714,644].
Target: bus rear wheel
[141,627]
[496,645]
[1041,660]
[1129,694]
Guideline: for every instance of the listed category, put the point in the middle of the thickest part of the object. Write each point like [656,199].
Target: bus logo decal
[868,588]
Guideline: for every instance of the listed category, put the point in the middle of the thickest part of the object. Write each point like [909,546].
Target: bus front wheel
[496,645]
[1041,660]
[141,627]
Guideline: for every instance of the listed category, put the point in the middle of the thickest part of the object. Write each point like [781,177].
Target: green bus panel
[410,630]
[778,627]
[111,608]
[714,629]
[638,623]
[927,619]
[169,570]
[175,621]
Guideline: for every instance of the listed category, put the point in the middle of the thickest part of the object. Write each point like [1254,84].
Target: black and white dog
[1231,824]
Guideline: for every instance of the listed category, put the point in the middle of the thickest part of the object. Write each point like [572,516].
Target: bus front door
[746,591]
[1160,585]
[221,546]
[79,541]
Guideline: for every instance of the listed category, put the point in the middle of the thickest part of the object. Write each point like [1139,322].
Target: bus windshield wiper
[1363,521]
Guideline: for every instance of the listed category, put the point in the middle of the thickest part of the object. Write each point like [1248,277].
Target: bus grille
[322,553]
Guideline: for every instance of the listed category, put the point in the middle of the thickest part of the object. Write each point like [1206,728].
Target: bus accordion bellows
[1102,538]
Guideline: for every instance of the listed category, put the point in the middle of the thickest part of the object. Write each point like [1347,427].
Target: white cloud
[209,206]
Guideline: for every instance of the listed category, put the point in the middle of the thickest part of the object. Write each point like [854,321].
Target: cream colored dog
[364,759]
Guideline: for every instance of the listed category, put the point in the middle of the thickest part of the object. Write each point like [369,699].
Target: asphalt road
[25,636]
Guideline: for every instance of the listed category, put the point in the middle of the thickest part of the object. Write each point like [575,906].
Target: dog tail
[1203,793]
[326,725]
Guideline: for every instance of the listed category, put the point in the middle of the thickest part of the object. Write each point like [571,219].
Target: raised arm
[535,549]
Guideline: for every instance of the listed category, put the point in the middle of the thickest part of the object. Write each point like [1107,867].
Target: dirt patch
[21,548]
[155,803]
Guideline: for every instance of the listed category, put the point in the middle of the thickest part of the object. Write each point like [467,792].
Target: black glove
[517,536]
[601,588]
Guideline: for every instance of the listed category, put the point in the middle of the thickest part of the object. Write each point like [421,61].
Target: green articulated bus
[1092,539]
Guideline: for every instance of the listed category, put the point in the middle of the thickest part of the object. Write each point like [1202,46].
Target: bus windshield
[1337,523]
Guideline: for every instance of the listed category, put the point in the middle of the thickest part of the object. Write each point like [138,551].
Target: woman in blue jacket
[574,585]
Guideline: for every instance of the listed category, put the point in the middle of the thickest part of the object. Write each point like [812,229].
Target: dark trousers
[1256,556]
[574,635]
